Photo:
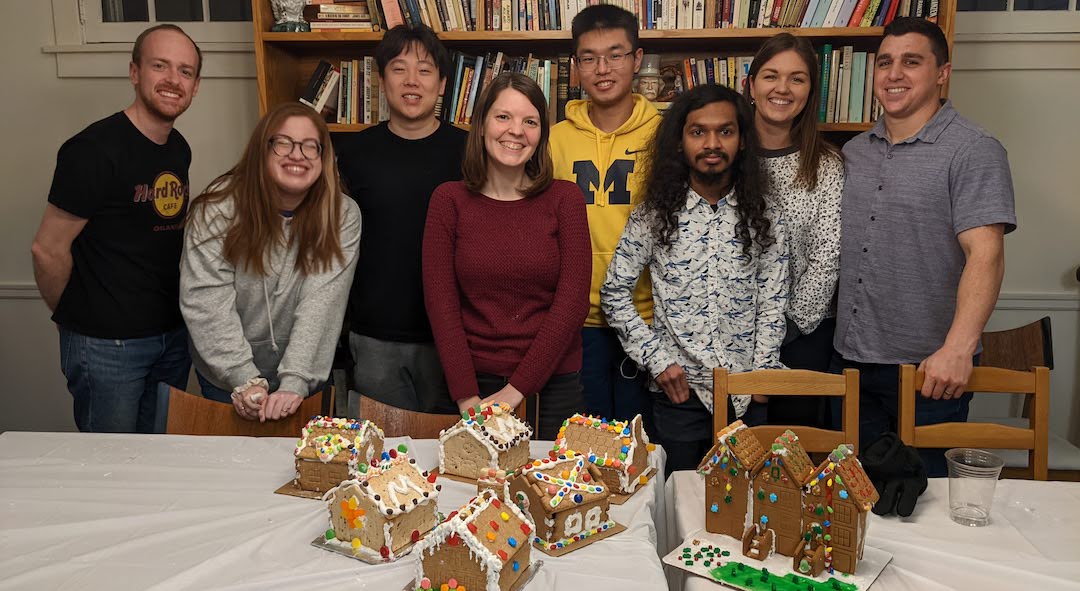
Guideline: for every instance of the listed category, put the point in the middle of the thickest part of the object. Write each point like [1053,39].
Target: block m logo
[588,180]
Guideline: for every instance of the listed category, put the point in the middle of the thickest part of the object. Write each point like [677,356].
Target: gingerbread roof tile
[606,442]
[565,482]
[791,455]
[493,424]
[738,441]
[845,468]
[394,483]
[334,439]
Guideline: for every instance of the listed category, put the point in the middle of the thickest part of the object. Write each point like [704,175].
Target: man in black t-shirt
[107,253]
[391,170]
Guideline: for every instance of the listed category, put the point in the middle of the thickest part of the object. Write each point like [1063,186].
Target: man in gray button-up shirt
[927,200]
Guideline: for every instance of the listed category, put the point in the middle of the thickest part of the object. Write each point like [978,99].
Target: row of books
[352,15]
[548,15]
[847,83]
[473,73]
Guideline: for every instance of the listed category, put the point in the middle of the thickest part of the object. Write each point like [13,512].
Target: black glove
[897,472]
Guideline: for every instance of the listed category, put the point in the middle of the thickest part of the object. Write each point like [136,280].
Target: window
[1011,17]
[207,21]
[1014,5]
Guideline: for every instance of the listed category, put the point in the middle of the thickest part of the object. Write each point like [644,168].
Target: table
[1032,542]
[101,511]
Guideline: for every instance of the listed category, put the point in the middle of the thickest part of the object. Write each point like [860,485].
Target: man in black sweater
[391,170]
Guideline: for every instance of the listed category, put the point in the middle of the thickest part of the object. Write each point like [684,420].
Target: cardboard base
[518,585]
[614,529]
[620,498]
[290,488]
[870,567]
[322,542]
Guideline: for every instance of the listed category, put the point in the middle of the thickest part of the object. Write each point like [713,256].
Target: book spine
[825,55]
[830,111]
[871,12]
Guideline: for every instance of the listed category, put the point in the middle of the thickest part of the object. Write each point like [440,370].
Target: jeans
[560,398]
[405,375]
[814,352]
[879,387]
[114,381]
[685,430]
[211,391]
[614,386]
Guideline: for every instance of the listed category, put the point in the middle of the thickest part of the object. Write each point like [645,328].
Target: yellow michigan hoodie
[605,166]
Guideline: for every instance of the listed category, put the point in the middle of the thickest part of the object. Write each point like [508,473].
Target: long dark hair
[256,223]
[539,168]
[804,132]
[668,173]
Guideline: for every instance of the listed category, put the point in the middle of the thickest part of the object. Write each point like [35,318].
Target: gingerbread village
[381,505]
[775,500]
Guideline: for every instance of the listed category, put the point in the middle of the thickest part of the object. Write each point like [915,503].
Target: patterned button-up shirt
[713,306]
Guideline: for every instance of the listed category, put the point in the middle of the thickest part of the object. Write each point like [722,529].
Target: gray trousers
[405,375]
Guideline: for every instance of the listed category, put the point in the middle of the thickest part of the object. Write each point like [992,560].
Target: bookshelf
[285,61]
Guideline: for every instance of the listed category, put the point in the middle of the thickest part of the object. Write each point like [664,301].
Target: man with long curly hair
[716,253]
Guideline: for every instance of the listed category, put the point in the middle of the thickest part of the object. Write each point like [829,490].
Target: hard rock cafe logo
[167,194]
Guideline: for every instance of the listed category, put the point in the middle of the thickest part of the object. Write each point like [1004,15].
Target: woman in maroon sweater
[507,264]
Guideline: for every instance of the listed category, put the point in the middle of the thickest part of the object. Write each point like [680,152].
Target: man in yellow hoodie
[598,146]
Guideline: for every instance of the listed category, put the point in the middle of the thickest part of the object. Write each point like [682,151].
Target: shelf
[651,35]
[837,127]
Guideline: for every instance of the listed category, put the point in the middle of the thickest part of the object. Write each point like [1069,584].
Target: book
[324,105]
[311,90]
[858,86]
[868,90]
[825,58]
[830,110]
[844,15]
[845,84]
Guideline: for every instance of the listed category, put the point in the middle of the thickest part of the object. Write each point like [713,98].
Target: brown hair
[136,50]
[804,132]
[256,223]
[474,163]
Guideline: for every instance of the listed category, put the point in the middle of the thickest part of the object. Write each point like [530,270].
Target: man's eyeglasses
[283,146]
[614,61]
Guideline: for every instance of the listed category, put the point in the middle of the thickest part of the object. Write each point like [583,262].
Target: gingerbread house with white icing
[484,545]
[620,449]
[497,481]
[566,497]
[389,506]
[777,490]
[728,469]
[836,499]
[330,449]
[487,436]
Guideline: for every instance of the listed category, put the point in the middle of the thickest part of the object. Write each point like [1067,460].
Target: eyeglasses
[614,61]
[283,146]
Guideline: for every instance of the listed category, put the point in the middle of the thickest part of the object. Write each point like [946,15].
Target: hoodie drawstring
[269,317]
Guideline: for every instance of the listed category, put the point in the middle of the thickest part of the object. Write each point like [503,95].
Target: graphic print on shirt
[168,195]
[587,178]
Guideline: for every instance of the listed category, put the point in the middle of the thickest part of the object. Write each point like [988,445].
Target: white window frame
[96,30]
[1010,21]
[77,57]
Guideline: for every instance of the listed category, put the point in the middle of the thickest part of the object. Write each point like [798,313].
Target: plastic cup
[973,475]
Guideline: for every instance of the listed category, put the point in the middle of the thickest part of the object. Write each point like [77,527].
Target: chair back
[399,422]
[1034,384]
[793,382]
[182,413]
[1020,348]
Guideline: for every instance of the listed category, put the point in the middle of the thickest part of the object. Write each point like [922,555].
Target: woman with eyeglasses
[507,263]
[269,253]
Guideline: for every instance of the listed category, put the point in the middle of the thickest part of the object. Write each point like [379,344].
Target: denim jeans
[879,387]
[560,398]
[614,386]
[114,381]
[212,392]
[685,430]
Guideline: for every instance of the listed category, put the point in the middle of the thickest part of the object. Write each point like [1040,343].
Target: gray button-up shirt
[904,205]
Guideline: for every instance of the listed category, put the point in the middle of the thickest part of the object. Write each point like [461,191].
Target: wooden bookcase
[285,61]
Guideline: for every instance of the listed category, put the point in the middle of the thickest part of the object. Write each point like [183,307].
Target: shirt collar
[693,199]
[930,132]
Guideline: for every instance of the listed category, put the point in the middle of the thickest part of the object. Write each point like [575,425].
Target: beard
[165,112]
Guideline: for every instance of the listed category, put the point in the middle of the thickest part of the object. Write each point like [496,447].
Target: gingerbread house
[483,545]
[728,469]
[390,505]
[836,499]
[777,490]
[566,497]
[330,449]
[487,436]
[619,448]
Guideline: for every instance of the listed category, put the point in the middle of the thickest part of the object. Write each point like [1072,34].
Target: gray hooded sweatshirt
[283,326]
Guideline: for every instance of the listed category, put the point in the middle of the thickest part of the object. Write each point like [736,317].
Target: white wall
[1022,88]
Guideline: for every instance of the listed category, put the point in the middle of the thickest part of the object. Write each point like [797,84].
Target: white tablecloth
[1032,542]
[86,512]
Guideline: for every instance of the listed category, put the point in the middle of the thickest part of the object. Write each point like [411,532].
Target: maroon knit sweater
[506,284]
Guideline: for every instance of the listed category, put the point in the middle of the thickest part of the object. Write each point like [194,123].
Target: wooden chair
[793,382]
[1034,438]
[399,422]
[181,413]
